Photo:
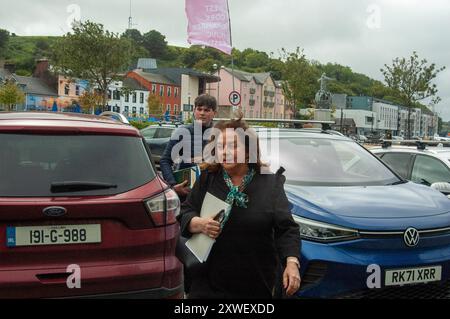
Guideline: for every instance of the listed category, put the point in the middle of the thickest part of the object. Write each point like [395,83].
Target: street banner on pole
[209,24]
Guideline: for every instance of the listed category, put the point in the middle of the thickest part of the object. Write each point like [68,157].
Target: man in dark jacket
[205,108]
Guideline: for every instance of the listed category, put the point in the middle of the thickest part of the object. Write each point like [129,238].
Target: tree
[90,100]
[92,54]
[154,106]
[300,85]
[134,35]
[206,65]
[4,38]
[411,79]
[155,43]
[11,95]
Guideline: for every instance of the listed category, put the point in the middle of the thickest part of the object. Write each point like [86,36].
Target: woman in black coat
[259,231]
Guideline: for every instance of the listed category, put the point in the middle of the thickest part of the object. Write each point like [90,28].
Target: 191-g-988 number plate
[53,235]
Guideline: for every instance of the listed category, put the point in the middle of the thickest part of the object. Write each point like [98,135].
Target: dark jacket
[166,162]
[244,260]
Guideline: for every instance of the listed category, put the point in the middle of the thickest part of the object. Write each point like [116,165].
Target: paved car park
[354,213]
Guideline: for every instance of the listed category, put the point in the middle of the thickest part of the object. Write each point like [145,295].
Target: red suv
[82,191]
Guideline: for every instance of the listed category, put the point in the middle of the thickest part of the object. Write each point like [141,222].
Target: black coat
[244,260]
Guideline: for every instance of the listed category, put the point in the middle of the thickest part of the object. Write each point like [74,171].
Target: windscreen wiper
[403,181]
[78,186]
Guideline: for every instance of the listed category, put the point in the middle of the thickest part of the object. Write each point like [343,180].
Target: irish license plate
[53,235]
[400,277]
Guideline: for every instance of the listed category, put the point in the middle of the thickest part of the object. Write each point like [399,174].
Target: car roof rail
[420,144]
[116,116]
[326,125]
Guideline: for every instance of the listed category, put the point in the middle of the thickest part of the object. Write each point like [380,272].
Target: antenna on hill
[130,20]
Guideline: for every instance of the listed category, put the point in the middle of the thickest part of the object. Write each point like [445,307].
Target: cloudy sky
[363,34]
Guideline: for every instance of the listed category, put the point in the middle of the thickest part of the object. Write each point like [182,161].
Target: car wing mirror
[443,187]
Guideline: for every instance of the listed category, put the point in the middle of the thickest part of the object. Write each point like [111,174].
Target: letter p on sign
[235,98]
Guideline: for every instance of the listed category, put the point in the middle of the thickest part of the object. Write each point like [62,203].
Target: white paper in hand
[200,244]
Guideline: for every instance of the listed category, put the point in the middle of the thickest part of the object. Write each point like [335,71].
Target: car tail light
[164,208]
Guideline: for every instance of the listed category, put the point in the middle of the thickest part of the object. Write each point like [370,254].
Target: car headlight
[318,231]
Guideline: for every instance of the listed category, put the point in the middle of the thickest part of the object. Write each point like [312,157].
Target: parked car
[423,166]
[157,137]
[81,190]
[375,138]
[353,212]
[359,138]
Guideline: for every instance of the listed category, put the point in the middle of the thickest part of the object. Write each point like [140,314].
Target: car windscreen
[31,165]
[329,162]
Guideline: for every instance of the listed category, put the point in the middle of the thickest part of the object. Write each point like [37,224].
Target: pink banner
[209,24]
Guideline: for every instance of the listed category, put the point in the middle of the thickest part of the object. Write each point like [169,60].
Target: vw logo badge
[411,237]
[54,211]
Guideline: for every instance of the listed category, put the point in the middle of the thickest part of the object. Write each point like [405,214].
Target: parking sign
[235,98]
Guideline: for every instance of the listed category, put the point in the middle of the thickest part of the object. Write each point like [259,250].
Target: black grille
[422,291]
[314,273]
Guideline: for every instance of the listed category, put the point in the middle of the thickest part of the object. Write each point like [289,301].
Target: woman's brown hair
[250,134]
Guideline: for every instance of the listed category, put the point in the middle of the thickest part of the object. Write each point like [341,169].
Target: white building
[134,104]
[365,121]
[387,115]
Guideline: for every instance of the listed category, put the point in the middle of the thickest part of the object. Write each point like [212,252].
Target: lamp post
[189,103]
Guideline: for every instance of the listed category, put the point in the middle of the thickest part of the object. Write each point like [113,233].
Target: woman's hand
[291,278]
[207,226]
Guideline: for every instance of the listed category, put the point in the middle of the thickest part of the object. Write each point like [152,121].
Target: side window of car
[428,170]
[399,162]
[163,132]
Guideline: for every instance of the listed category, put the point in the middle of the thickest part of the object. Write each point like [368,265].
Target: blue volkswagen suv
[366,232]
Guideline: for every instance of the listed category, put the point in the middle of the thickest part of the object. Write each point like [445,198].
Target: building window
[168,107]
[134,110]
[127,98]
[134,97]
[153,88]
[116,95]
[141,110]
[175,109]
[66,89]
[176,92]
[161,90]
[169,91]
[77,90]
[126,109]
[141,98]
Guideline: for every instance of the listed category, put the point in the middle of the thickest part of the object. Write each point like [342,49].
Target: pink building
[258,94]
[251,86]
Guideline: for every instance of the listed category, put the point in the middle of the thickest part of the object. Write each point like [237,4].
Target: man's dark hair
[206,100]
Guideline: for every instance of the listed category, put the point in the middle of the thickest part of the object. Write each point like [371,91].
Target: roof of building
[133,84]
[174,74]
[146,63]
[31,85]
[4,74]
[154,77]
[260,78]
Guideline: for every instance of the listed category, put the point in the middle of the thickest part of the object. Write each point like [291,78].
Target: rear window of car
[29,163]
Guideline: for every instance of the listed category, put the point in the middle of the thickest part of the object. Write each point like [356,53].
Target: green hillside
[24,51]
